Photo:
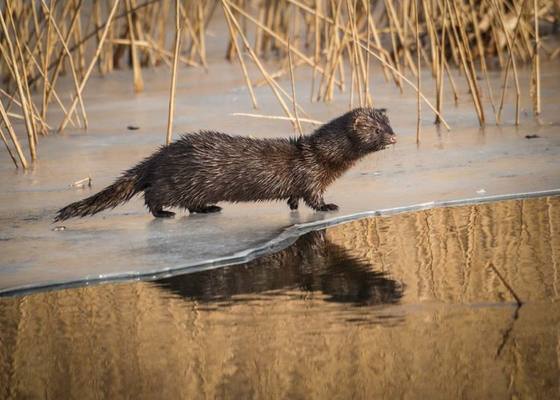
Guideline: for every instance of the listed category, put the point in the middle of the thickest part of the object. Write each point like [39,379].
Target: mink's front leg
[293,202]
[316,202]
[328,207]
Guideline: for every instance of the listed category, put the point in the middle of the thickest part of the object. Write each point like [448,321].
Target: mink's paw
[163,214]
[293,203]
[205,210]
[212,209]
[328,207]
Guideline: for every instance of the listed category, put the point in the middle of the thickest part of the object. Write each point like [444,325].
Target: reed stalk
[16,74]
[536,64]
[294,103]
[418,77]
[241,61]
[13,136]
[173,74]
[91,65]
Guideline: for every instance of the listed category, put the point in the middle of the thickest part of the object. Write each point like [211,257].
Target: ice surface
[465,163]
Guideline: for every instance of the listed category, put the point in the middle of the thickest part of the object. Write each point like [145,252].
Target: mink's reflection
[312,264]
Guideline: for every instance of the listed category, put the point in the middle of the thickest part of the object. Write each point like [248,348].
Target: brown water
[398,307]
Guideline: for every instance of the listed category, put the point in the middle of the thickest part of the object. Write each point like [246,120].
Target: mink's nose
[392,139]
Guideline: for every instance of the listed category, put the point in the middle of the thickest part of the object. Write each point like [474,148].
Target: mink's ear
[361,122]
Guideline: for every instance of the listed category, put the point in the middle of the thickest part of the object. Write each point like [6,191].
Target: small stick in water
[82,182]
[509,288]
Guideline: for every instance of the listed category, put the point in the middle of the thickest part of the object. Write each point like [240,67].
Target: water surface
[414,305]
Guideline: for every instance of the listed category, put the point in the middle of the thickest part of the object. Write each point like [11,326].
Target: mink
[204,168]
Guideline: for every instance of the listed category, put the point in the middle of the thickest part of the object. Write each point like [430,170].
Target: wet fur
[204,168]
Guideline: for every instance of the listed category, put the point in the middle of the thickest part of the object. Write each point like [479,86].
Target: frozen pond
[464,163]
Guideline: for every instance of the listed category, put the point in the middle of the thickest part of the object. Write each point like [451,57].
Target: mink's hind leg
[205,209]
[160,213]
[155,207]
[293,202]
[316,202]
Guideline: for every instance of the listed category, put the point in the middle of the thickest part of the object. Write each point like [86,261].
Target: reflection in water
[287,325]
[312,264]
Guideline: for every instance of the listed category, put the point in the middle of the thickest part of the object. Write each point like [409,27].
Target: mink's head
[370,128]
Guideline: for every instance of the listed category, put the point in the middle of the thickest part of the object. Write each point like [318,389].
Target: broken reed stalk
[173,74]
[278,117]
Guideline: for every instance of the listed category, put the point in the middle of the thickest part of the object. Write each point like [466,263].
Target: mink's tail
[119,192]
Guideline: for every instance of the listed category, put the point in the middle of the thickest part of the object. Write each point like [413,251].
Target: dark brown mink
[201,169]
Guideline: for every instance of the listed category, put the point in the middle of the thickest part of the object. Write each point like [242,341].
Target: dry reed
[338,41]
[174,74]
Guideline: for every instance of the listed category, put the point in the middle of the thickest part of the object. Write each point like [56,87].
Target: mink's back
[208,167]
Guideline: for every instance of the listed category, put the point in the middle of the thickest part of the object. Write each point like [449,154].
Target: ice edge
[286,238]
